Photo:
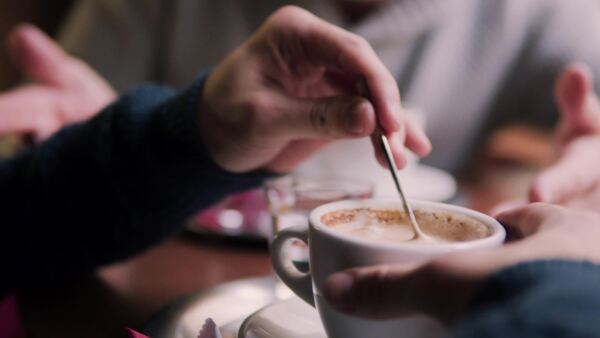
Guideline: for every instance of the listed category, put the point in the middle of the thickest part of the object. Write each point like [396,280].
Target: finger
[572,175]
[372,292]
[38,55]
[29,110]
[416,140]
[441,288]
[342,50]
[378,80]
[396,141]
[327,118]
[507,205]
[528,220]
[412,137]
[378,150]
[580,106]
[396,147]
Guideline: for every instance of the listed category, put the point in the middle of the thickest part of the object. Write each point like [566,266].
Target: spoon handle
[387,151]
[363,90]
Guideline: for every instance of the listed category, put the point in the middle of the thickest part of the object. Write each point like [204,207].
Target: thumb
[328,118]
[442,288]
[527,220]
[579,105]
[572,175]
[371,292]
[38,55]
[507,205]
[553,184]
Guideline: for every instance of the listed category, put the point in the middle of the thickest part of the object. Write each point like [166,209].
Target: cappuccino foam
[393,225]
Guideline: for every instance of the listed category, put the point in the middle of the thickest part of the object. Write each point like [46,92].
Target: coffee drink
[393,225]
[384,238]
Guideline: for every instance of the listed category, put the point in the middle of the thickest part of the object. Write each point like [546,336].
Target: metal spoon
[387,151]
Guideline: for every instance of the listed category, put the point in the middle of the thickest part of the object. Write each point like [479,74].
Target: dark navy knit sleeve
[549,299]
[105,189]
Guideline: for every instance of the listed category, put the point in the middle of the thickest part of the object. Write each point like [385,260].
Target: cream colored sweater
[468,64]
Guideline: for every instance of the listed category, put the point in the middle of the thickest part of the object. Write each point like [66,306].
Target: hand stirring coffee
[387,152]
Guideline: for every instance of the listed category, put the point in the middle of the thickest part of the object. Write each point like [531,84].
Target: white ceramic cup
[332,251]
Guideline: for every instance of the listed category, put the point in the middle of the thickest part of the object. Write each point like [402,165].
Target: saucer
[422,182]
[291,318]
[354,159]
[227,304]
[294,318]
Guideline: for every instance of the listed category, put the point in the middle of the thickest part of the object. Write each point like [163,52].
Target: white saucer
[422,183]
[291,318]
[227,304]
[353,159]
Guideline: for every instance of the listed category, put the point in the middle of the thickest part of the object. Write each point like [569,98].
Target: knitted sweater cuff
[513,281]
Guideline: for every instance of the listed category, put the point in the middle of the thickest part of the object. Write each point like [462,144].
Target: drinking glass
[291,198]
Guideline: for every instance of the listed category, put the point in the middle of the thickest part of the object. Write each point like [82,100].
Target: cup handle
[296,280]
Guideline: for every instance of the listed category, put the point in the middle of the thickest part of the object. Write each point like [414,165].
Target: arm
[139,168]
[100,191]
[536,299]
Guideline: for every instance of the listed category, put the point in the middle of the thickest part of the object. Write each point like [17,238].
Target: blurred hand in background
[574,179]
[63,90]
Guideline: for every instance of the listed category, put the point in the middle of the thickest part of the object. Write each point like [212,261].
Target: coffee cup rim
[495,239]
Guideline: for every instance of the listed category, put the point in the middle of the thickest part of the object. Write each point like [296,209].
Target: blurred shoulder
[540,11]
[561,22]
[121,9]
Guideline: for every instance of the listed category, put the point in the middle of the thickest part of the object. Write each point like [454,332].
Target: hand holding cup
[444,287]
[338,240]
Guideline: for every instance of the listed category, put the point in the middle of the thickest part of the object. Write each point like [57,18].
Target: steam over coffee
[393,225]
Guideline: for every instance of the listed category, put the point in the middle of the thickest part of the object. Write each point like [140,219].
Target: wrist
[214,133]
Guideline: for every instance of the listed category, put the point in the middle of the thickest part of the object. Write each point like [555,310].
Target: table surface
[127,294]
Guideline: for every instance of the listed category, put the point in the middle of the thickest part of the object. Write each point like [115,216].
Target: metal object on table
[291,198]
[227,304]
[255,215]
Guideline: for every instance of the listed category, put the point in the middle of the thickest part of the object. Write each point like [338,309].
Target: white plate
[291,318]
[354,159]
[422,183]
[227,304]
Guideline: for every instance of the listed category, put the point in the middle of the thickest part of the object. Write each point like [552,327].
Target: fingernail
[400,157]
[355,123]
[426,146]
[338,291]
